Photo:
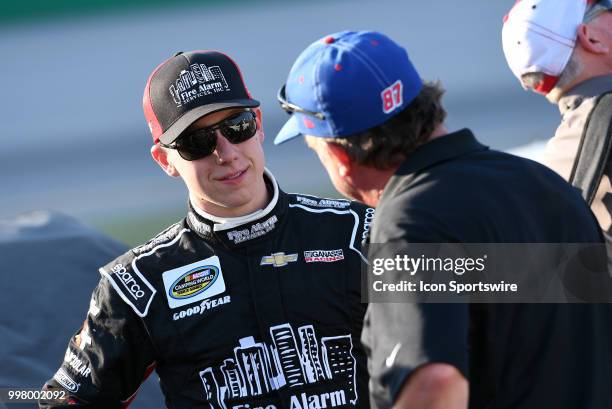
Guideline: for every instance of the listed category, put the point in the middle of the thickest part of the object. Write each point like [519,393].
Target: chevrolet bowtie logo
[278,259]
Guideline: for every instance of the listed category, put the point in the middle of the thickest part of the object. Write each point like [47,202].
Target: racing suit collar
[235,231]
[227,223]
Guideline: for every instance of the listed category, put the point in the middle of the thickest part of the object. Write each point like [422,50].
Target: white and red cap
[188,86]
[540,36]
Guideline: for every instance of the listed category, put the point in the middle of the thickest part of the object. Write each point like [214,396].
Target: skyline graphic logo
[196,82]
[292,360]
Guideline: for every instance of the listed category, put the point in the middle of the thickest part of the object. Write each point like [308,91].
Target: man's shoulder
[163,239]
[325,204]
[129,281]
[343,208]
[492,195]
[483,173]
[349,216]
[302,199]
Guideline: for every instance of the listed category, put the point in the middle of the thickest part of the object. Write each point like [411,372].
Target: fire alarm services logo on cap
[197,82]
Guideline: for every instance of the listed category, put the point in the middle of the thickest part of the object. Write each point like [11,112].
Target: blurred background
[73,134]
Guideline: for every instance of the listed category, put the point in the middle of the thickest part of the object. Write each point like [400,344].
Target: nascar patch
[194,282]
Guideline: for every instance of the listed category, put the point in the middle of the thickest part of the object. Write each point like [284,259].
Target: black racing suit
[266,314]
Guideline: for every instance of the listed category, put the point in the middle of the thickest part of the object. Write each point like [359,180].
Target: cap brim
[289,131]
[190,117]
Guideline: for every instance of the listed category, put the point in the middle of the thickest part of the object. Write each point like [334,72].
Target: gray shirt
[575,107]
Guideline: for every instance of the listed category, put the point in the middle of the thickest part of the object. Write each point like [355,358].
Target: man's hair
[386,145]
[569,74]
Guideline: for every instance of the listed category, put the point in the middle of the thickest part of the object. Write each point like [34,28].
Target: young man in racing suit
[252,300]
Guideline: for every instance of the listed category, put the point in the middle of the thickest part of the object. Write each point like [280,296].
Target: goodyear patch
[194,282]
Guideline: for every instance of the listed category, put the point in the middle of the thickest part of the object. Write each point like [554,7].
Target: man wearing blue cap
[379,131]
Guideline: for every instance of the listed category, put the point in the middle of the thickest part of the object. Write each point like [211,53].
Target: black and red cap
[188,86]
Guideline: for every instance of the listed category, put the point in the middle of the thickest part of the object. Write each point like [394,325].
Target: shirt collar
[226,223]
[438,150]
[234,231]
[587,89]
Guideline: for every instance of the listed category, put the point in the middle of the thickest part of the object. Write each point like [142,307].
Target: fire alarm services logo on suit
[197,82]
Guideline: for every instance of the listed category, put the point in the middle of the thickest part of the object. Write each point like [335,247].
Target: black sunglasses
[291,108]
[202,142]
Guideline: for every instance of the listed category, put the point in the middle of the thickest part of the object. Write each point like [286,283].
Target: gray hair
[570,73]
[386,145]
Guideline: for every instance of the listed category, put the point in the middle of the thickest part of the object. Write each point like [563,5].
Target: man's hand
[434,386]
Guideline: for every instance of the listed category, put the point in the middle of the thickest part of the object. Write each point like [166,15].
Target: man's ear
[589,39]
[260,130]
[160,155]
[341,157]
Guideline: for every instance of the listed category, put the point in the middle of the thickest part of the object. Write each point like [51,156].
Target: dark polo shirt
[454,189]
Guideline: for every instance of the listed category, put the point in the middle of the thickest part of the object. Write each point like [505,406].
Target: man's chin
[238,204]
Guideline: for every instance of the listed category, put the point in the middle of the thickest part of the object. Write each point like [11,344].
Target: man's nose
[225,150]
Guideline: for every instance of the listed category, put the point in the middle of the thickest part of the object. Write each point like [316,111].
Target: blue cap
[346,83]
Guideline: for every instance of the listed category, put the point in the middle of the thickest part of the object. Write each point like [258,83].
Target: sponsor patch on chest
[323,256]
[194,282]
